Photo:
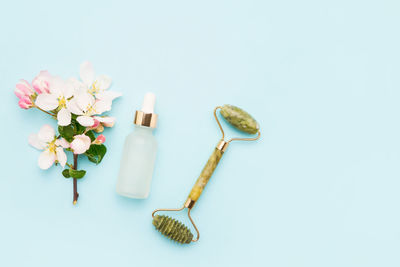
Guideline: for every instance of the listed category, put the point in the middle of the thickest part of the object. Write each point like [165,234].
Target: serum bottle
[139,153]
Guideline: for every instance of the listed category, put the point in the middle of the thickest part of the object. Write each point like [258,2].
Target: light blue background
[321,188]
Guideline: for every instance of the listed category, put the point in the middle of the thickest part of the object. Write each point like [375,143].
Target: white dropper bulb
[148,102]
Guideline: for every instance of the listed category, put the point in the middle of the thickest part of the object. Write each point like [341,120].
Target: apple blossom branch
[79,107]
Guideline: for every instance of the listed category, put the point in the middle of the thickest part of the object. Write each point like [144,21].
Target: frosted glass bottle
[139,154]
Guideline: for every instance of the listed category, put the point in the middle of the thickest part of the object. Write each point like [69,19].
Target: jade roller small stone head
[176,230]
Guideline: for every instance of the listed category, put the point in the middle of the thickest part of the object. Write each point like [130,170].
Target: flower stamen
[52,146]
[62,103]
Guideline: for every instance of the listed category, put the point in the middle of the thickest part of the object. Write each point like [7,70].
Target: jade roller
[174,229]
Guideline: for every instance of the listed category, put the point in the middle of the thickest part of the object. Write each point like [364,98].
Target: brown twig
[76,195]
[51,114]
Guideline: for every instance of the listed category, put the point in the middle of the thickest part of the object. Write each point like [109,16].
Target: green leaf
[66,132]
[66,173]
[78,174]
[79,129]
[91,135]
[96,153]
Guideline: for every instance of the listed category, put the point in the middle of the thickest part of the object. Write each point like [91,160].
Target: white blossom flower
[96,86]
[91,97]
[86,106]
[53,148]
[60,93]
[80,144]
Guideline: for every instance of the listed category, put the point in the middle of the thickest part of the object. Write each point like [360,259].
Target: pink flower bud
[23,88]
[41,82]
[18,93]
[100,139]
[25,102]
[96,124]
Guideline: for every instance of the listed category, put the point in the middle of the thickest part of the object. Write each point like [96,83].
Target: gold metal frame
[222,146]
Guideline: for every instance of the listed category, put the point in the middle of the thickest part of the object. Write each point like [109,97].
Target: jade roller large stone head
[243,122]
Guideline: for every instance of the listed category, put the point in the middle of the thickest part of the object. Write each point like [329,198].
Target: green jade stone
[239,119]
[205,175]
[173,229]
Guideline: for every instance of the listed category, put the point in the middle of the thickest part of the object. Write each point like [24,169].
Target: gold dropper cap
[146,116]
[145,119]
